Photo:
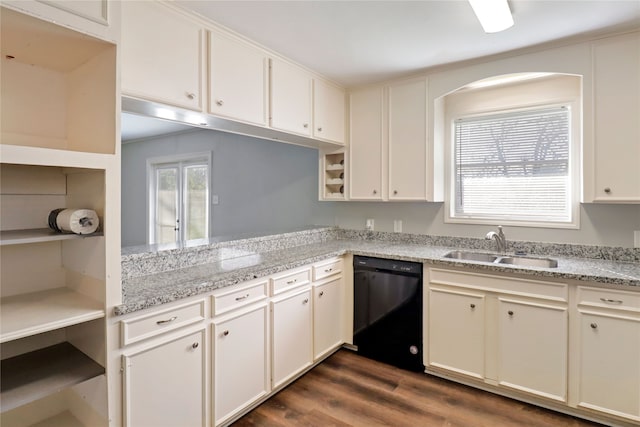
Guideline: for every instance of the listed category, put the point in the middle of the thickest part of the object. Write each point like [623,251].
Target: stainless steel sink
[471,256]
[528,262]
[499,259]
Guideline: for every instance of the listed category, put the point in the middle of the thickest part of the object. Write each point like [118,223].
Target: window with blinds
[514,166]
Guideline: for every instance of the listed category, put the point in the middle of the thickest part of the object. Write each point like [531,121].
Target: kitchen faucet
[500,238]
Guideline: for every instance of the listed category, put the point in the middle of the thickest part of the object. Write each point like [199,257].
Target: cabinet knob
[510,312]
[375,191]
[395,192]
[191,95]
[305,125]
[472,305]
[219,102]
[594,326]
[195,345]
[225,333]
[319,129]
[321,293]
[305,301]
[607,190]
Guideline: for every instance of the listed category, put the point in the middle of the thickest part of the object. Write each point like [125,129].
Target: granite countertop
[247,261]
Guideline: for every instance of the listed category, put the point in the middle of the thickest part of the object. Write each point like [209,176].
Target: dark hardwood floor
[350,390]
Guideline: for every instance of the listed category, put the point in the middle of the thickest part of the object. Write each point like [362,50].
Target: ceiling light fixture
[494,15]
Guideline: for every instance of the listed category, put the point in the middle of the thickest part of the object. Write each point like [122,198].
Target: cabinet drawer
[609,298]
[158,322]
[290,280]
[238,296]
[327,268]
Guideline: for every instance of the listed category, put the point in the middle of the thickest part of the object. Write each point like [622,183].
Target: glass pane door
[196,181]
[166,205]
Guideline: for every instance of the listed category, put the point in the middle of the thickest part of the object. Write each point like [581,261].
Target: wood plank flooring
[350,390]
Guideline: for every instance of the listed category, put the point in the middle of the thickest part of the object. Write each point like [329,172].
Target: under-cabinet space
[332,179]
[58,87]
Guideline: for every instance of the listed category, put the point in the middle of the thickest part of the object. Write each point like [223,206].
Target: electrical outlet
[636,239]
[214,199]
[369,225]
[397,226]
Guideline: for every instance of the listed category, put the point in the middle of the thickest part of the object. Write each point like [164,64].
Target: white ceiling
[359,42]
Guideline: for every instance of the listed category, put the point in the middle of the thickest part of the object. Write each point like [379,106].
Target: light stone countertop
[240,264]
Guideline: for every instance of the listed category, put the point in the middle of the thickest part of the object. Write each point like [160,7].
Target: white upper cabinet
[616,68]
[408,140]
[237,80]
[328,111]
[162,55]
[366,144]
[290,98]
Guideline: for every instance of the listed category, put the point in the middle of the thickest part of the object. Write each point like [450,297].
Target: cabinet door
[290,98]
[616,125]
[237,80]
[408,140]
[457,331]
[328,111]
[365,144]
[327,317]
[609,355]
[292,335]
[241,362]
[166,385]
[532,348]
[161,55]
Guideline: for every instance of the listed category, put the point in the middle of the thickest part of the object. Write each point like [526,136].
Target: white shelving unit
[333,175]
[58,149]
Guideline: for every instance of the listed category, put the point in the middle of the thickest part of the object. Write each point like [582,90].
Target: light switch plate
[397,226]
[369,225]
[636,239]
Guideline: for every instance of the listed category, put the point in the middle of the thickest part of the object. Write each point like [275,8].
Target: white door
[241,362]
[237,80]
[457,331]
[290,98]
[609,355]
[532,348]
[327,317]
[292,335]
[365,145]
[408,140]
[166,385]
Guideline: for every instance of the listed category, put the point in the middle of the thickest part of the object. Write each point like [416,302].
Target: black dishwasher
[387,312]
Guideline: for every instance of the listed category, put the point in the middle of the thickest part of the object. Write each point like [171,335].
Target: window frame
[575,120]
[181,161]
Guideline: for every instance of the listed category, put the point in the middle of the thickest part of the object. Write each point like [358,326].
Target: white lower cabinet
[240,360]
[327,317]
[608,355]
[292,334]
[457,331]
[165,382]
[532,347]
[503,331]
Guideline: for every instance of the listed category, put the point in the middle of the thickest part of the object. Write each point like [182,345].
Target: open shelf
[38,235]
[333,176]
[32,376]
[36,312]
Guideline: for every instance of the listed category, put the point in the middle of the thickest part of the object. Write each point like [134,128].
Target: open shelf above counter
[36,312]
[32,376]
[38,235]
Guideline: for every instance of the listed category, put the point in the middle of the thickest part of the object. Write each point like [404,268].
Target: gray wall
[266,185]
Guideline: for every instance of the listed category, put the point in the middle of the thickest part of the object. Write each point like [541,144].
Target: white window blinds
[514,166]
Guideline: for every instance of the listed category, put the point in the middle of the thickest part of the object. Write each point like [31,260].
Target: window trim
[180,159]
[575,156]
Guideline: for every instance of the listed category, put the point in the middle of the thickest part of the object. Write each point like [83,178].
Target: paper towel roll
[79,221]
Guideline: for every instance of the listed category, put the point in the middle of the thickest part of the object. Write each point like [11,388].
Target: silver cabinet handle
[219,102]
[225,333]
[191,95]
[328,270]
[291,282]
[594,326]
[242,297]
[195,345]
[162,322]
[611,301]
